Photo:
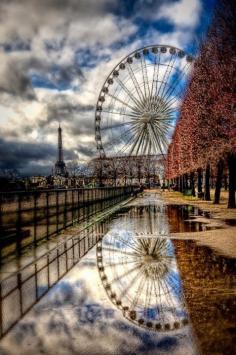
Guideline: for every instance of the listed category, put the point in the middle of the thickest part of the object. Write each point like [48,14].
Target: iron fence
[28,217]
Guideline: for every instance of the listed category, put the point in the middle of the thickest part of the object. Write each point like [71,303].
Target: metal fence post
[18,228]
[47,213]
[35,217]
[57,211]
[65,208]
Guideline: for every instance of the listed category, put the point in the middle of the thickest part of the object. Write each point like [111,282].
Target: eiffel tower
[60,166]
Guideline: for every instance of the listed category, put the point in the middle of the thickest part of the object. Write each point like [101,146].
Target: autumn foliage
[205,133]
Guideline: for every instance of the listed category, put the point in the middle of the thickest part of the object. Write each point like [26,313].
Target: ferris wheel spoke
[156,245]
[124,274]
[122,263]
[164,119]
[146,144]
[164,112]
[135,83]
[164,104]
[157,140]
[115,250]
[146,296]
[138,292]
[130,284]
[173,100]
[117,125]
[155,68]
[161,83]
[149,146]
[149,296]
[122,150]
[169,300]
[121,136]
[162,301]
[141,141]
[132,108]
[158,71]
[174,279]
[145,77]
[162,129]
[129,245]
[169,69]
[179,77]
[134,116]
[158,299]
[144,244]
[136,141]
[129,93]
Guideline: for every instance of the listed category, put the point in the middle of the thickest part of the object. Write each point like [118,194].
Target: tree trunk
[220,169]
[207,196]
[199,182]
[232,180]
[226,182]
[185,181]
[192,184]
[181,183]
[177,183]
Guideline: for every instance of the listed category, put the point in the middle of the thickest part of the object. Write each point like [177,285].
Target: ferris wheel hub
[146,118]
[150,259]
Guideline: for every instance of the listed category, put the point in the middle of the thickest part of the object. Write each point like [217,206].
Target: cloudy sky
[54,58]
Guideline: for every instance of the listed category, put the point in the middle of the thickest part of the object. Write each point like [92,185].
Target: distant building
[60,166]
[37,182]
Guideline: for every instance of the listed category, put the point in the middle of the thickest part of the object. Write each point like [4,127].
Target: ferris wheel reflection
[138,269]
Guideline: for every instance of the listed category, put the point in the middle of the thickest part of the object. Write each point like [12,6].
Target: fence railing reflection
[20,291]
[28,217]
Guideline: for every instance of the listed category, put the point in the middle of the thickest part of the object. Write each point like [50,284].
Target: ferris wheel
[139,102]
[139,274]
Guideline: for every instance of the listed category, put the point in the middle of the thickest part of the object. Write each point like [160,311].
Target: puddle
[230,221]
[135,292]
[170,218]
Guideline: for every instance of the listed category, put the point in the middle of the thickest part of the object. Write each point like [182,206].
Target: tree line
[204,140]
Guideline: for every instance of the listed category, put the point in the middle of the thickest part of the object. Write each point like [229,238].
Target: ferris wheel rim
[131,313]
[98,112]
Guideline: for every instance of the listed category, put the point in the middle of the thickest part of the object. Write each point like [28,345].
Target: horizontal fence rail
[29,216]
[23,289]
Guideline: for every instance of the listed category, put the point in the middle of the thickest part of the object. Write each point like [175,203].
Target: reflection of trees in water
[209,281]
[147,219]
[140,277]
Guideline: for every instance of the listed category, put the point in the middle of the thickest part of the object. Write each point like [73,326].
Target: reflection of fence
[22,290]
[27,217]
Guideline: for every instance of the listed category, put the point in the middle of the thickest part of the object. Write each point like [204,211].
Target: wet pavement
[136,291]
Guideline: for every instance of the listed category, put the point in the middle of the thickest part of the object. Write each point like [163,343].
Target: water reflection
[125,296]
[137,267]
[21,290]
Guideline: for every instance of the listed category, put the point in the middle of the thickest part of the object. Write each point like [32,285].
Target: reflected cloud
[139,272]
[76,317]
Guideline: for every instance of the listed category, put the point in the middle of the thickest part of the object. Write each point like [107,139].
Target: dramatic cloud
[54,58]
[184,13]
[25,156]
